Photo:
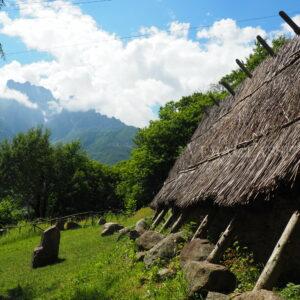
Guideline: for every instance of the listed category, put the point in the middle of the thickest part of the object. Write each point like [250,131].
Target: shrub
[9,212]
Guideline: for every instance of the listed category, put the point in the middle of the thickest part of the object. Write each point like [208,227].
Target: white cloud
[92,68]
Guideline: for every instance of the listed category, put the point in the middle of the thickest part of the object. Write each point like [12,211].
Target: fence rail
[74,217]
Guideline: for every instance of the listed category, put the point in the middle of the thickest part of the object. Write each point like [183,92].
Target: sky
[126,58]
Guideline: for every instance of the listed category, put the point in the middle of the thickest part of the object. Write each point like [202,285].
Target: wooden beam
[156,214]
[290,22]
[159,218]
[169,221]
[243,68]
[273,268]
[176,226]
[202,228]
[265,45]
[224,240]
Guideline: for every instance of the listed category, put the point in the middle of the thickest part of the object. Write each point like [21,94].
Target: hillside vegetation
[39,178]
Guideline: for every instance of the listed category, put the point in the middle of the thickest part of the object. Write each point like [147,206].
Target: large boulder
[101,221]
[197,250]
[131,233]
[258,295]
[148,239]
[72,225]
[216,296]
[204,276]
[141,226]
[47,252]
[110,228]
[165,249]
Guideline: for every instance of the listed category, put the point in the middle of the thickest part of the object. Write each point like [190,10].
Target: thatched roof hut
[248,147]
[239,174]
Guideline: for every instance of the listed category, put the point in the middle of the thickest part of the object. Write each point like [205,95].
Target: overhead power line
[15,8]
[139,35]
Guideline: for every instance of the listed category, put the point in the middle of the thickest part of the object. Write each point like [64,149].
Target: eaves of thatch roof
[246,147]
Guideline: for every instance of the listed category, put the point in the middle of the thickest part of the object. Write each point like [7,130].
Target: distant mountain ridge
[105,139]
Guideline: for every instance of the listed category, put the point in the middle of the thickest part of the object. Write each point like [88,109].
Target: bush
[240,262]
[9,212]
[291,292]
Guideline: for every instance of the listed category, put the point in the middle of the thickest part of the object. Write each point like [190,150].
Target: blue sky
[126,17]
[76,52]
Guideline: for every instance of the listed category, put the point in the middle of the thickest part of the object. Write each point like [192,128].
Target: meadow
[90,267]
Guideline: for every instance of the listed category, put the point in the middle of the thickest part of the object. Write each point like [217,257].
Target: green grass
[91,267]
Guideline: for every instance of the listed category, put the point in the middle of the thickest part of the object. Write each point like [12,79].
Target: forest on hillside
[41,179]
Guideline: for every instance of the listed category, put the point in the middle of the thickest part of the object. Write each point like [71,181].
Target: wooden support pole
[290,22]
[202,228]
[169,221]
[220,247]
[156,214]
[159,218]
[227,87]
[273,268]
[243,68]
[265,45]
[176,226]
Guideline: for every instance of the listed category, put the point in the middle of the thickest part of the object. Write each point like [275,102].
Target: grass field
[91,267]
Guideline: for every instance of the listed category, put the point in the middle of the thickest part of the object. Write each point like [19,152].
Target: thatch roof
[248,146]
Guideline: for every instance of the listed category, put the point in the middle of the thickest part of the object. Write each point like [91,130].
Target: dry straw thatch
[246,147]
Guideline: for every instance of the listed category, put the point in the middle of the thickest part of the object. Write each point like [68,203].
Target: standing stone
[204,277]
[60,224]
[148,239]
[47,252]
[101,221]
[197,250]
[141,226]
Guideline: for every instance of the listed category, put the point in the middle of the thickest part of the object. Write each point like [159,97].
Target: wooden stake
[156,214]
[169,221]
[159,218]
[202,228]
[222,243]
[177,224]
[265,45]
[290,22]
[273,268]
[243,68]
[227,87]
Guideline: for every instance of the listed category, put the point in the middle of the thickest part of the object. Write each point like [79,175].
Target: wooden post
[290,22]
[202,228]
[243,68]
[178,223]
[222,243]
[169,221]
[227,87]
[156,214]
[265,45]
[272,270]
[159,218]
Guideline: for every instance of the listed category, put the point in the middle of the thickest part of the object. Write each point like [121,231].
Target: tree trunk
[222,243]
[273,268]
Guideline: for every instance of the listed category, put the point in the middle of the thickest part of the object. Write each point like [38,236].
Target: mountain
[105,139]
